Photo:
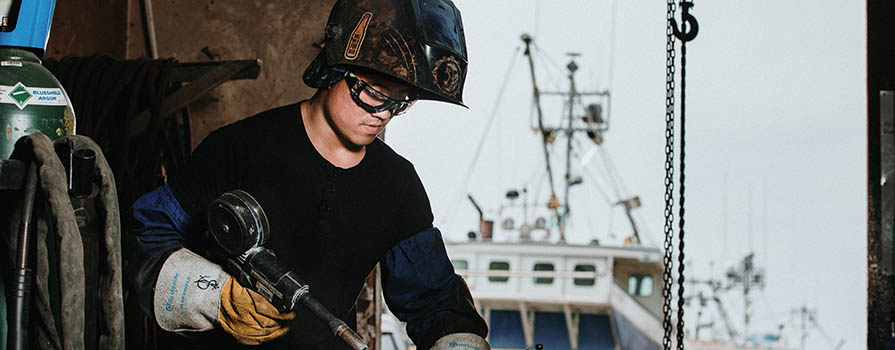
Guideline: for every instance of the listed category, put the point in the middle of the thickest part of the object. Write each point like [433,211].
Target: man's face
[355,126]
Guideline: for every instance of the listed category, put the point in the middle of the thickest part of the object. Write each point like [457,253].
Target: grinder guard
[237,222]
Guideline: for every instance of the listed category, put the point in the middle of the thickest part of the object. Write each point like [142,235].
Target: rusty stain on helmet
[357,36]
[446,75]
[397,47]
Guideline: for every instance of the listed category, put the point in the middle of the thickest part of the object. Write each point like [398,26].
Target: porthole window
[585,281]
[543,267]
[499,266]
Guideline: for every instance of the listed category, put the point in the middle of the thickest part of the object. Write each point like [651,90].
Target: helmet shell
[420,42]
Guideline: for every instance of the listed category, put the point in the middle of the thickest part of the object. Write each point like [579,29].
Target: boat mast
[595,127]
[537,96]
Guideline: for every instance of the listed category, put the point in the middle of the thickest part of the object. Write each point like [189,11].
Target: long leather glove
[193,294]
[249,317]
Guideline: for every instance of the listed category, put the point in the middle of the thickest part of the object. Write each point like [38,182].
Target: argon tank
[31,100]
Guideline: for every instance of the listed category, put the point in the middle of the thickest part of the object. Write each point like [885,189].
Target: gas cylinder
[31,98]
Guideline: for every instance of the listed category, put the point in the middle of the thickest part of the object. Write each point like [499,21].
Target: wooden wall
[278,32]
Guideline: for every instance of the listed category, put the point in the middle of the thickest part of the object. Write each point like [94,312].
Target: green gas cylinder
[31,100]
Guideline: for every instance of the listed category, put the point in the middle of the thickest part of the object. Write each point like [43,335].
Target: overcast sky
[776,118]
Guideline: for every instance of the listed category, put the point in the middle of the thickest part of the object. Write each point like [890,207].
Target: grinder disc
[237,222]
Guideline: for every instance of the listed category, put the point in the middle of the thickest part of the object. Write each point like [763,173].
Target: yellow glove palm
[249,317]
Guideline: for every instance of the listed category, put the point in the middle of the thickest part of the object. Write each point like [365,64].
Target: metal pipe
[338,327]
[477,208]
[150,28]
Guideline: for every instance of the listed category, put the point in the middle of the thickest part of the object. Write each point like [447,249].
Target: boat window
[543,267]
[499,266]
[585,281]
[640,285]
[460,264]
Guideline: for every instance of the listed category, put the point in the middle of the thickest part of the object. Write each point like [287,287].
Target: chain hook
[690,26]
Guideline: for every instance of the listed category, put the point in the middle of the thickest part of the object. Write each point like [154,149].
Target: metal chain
[680,252]
[669,174]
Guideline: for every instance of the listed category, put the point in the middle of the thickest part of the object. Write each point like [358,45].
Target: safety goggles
[375,101]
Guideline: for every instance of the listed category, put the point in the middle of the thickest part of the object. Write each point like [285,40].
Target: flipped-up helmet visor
[441,26]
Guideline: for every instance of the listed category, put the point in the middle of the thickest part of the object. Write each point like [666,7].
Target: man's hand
[249,317]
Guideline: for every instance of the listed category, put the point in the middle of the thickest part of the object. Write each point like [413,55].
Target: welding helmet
[26,24]
[419,42]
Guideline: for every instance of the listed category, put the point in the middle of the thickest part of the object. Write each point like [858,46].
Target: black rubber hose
[19,318]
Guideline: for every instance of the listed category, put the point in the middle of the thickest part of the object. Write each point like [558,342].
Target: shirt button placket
[329,195]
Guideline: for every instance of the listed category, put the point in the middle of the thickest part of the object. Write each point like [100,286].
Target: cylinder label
[22,96]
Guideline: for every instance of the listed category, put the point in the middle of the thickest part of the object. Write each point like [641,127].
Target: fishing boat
[536,288]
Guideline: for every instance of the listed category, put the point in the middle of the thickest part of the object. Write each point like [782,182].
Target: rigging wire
[541,174]
[462,191]
[611,56]
[602,192]
[610,222]
[588,171]
[614,174]
[645,230]
[591,177]
[556,77]
[823,333]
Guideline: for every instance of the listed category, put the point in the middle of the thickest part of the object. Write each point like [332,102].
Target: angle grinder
[238,224]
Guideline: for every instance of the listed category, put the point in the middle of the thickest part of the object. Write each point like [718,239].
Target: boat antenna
[573,67]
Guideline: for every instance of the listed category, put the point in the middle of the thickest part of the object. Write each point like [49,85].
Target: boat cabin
[564,296]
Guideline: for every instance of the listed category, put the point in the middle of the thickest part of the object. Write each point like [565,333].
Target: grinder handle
[263,273]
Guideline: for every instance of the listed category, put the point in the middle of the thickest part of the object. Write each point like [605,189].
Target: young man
[337,198]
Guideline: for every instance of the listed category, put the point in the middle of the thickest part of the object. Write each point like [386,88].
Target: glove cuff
[463,341]
[187,294]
